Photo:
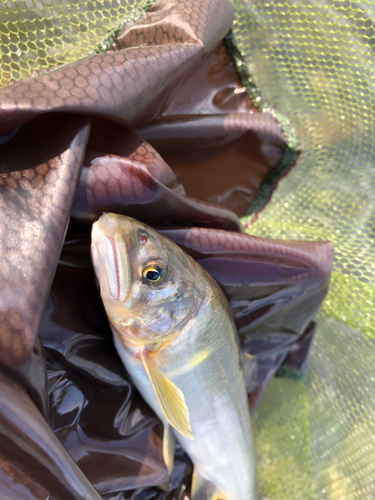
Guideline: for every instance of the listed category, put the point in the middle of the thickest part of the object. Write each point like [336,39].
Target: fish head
[150,287]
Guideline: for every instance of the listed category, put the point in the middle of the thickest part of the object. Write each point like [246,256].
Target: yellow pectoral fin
[170,397]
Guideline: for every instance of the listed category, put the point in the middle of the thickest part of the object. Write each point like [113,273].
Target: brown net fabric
[66,156]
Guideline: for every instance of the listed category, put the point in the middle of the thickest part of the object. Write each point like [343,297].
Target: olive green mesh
[314,61]
[37,35]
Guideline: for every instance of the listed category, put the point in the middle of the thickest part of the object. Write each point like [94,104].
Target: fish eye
[153,274]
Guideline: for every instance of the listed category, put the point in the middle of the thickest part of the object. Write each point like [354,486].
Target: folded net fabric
[68,155]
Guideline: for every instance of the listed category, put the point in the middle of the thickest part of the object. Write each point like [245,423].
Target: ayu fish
[174,332]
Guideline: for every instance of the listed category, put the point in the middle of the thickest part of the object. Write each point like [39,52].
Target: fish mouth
[110,257]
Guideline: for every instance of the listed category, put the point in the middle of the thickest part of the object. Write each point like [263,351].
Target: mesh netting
[314,61]
[37,35]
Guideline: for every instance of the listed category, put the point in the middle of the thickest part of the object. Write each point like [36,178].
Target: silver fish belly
[201,359]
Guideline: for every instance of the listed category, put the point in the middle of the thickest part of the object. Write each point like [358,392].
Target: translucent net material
[37,35]
[314,61]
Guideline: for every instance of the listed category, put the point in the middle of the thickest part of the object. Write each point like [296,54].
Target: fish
[174,332]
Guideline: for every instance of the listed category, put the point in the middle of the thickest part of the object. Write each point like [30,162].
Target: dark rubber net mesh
[314,63]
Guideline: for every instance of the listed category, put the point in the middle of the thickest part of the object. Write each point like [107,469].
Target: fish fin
[169,442]
[250,370]
[203,489]
[170,397]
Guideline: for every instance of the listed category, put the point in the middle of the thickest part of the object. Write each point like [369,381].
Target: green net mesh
[314,62]
[37,35]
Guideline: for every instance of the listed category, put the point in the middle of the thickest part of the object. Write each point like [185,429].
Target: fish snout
[110,257]
[108,224]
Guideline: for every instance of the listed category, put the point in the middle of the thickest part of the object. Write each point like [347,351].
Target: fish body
[175,335]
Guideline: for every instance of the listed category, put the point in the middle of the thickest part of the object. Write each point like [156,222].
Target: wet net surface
[314,61]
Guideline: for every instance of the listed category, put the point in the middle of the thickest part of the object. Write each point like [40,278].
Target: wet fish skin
[179,329]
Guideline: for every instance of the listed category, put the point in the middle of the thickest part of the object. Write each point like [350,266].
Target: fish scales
[192,345]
